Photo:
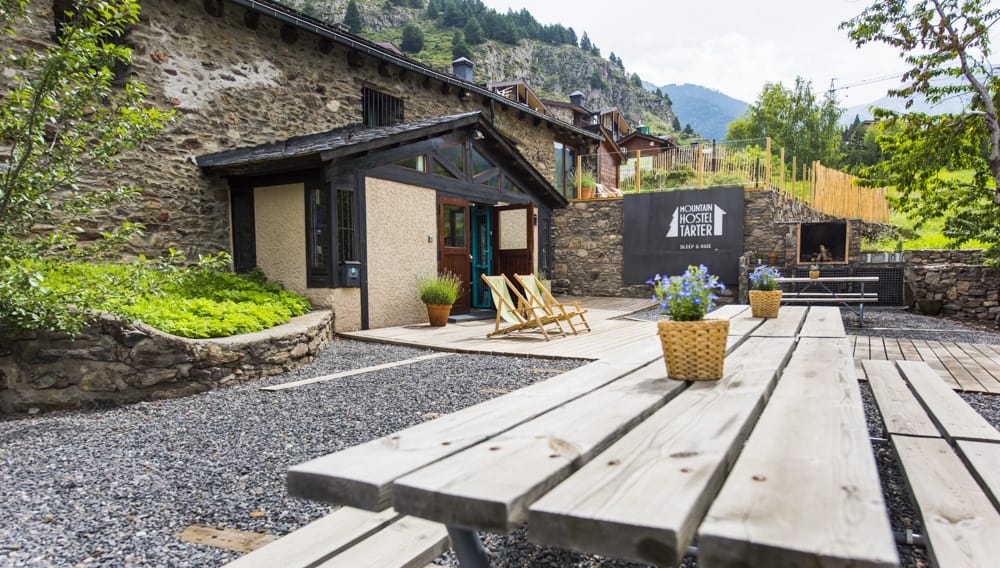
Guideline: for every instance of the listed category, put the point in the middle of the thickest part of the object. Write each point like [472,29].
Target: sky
[731,46]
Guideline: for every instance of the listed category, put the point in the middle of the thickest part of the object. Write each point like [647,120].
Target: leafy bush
[674,177]
[198,303]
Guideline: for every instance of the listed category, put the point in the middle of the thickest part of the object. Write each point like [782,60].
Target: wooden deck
[963,366]
[609,333]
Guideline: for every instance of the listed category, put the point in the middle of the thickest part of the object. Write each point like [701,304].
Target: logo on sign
[696,220]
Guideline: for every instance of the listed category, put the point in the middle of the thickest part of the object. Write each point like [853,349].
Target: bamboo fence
[750,163]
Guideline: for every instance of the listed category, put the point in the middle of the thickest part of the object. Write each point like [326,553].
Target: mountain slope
[554,70]
[707,111]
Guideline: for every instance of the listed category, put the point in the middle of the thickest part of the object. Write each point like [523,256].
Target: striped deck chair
[516,317]
[539,295]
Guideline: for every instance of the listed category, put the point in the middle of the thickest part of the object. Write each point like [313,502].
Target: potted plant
[814,271]
[765,297]
[439,292]
[693,348]
[587,185]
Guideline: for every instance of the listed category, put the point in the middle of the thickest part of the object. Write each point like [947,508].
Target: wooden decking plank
[790,501]
[787,323]
[318,540]
[987,351]
[961,375]
[892,349]
[743,323]
[971,365]
[490,486]
[910,352]
[876,348]
[901,412]
[361,476]
[655,484]
[929,357]
[954,417]
[862,349]
[823,321]
[990,376]
[408,543]
[983,460]
[962,526]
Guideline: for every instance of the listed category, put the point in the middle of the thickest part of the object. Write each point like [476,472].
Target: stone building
[338,166]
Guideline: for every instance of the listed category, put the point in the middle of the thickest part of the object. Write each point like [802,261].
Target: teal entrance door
[482,255]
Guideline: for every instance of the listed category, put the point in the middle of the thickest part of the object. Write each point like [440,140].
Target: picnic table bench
[824,290]
[770,466]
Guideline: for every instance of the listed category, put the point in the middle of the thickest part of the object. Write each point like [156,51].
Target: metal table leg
[468,548]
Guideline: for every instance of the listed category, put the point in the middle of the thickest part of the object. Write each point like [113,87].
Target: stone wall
[589,241]
[109,364]
[237,81]
[967,289]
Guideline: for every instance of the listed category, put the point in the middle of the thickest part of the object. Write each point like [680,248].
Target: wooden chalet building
[339,167]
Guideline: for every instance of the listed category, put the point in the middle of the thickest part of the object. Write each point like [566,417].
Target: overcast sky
[727,45]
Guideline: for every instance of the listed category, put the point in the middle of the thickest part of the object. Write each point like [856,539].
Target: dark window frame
[379,108]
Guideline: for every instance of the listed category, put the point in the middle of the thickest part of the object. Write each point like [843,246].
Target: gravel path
[114,487]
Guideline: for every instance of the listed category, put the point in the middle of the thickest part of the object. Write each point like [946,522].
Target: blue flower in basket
[689,296]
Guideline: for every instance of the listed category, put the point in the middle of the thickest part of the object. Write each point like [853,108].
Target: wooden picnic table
[770,466]
[844,290]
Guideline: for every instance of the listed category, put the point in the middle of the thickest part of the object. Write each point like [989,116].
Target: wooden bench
[350,538]
[950,457]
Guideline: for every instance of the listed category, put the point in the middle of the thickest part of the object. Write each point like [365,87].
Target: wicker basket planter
[814,274]
[765,303]
[694,350]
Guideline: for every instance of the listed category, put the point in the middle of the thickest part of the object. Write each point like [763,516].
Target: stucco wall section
[402,248]
[347,307]
[279,222]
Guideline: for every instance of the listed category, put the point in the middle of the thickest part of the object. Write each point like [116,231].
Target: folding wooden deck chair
[539,295]
[516,317]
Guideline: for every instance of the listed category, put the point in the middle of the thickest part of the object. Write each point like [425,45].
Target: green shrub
[199,303]
[439,289]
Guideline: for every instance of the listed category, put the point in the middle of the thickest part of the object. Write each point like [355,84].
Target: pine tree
[473,31]
[352,18]
[676,124]
[585,42]
[413,39]
[458,46]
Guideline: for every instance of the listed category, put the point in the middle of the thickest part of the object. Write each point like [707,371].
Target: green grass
[200,304]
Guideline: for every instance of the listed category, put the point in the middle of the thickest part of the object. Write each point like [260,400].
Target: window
[454,226]
[565,170]
[346,247]
[318,237]
[380,109]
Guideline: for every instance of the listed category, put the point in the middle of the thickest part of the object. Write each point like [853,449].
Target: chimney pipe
[462,68]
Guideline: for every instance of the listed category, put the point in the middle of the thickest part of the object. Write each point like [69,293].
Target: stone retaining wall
[109,364]
[966,288]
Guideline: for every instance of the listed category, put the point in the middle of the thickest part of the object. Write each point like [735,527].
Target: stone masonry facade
[238,80]
[110,363]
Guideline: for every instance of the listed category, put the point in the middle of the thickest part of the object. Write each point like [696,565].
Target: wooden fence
[752,164]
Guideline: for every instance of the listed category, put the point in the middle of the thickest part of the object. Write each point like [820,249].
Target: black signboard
[665,232]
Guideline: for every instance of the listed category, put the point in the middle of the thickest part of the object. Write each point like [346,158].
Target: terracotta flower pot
[586,193]
[694,350]
[765,303]
[438,314]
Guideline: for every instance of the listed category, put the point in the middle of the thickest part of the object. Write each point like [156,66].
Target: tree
[458,46]
[413,39]
[688,130]
[946,44]
[585,42]
[795,120]
[352,17]
[675,123]
[473,31]
[64,114]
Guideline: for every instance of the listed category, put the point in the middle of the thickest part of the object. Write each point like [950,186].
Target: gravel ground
[114,487]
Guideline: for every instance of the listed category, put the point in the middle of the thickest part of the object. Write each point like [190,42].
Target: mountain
[513,46]
[950,106]
[707,111]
